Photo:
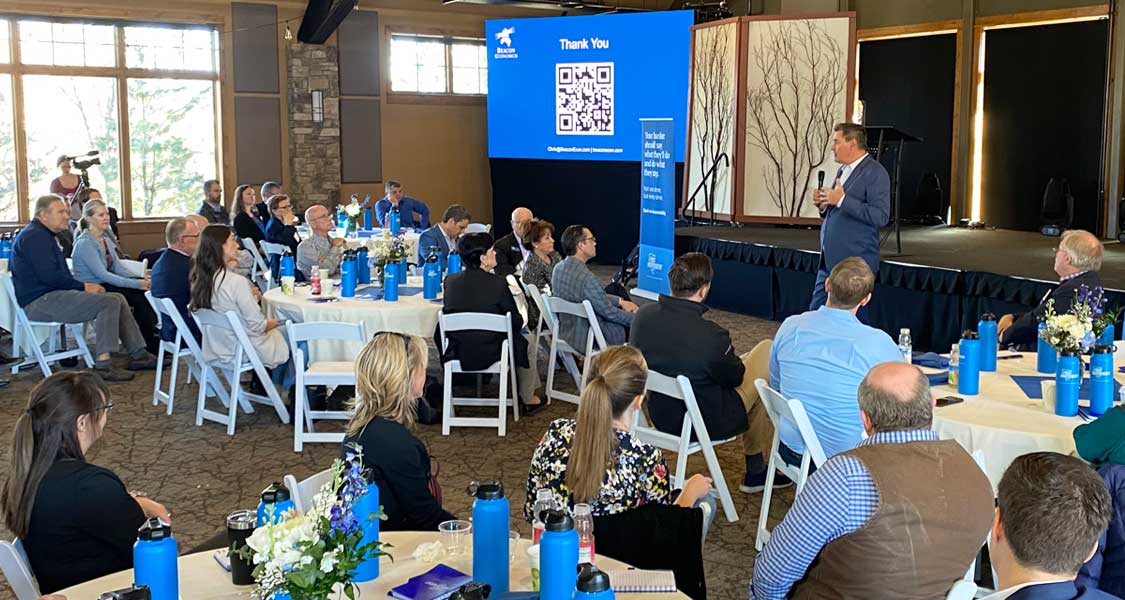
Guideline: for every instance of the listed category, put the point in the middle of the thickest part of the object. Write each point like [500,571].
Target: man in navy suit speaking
[858,204]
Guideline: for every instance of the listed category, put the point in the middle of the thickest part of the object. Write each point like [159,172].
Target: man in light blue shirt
[819,357]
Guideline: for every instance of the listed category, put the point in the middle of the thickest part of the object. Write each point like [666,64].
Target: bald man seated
[510,249]
[319,251]
[1078,258]
[903,510]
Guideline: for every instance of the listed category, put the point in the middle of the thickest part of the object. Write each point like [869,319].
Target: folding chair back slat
[174,349]
[505,366]
[24,338]
[309,373]
[17,570]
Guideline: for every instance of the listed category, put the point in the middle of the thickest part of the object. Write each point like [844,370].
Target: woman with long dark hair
[244,214]
[77,521]
[215,285]
[595,458]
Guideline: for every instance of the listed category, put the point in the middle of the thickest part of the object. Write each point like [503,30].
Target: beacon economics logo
[504,47]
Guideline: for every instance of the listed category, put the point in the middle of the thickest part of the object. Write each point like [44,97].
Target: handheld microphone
[820,180]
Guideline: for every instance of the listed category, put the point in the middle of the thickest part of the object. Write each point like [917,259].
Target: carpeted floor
[201,474]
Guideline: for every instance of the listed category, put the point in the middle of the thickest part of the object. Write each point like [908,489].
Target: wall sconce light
[318,106]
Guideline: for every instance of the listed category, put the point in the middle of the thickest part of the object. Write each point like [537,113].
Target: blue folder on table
[1030,384]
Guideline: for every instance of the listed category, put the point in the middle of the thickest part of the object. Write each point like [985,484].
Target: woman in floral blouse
[595,458]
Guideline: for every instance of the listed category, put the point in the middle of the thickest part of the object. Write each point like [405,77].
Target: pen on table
[1009,356]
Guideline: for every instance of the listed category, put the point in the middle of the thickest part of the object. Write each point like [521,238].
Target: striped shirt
[838,499]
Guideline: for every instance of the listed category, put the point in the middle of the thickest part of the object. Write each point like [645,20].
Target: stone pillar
[314,148]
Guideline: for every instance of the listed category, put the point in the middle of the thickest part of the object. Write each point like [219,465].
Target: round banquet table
[410,315]
[1002,421]
[201,578]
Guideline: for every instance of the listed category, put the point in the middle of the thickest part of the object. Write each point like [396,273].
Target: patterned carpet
[201,474]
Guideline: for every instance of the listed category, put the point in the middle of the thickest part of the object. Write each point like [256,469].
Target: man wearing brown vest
[900,516]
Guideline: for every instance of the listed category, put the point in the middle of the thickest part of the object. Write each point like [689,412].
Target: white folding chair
[595,343]
[516,288]
[269,249]
[136,268]
[478,228]
[302,492]
[327,373]
[26,343]
[778,407]
[175,349]
[212,384]
[680,389]
[245,360]
[259,271]
[505,366]
[17,570]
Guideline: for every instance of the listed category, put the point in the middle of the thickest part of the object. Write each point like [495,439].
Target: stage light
[978,136]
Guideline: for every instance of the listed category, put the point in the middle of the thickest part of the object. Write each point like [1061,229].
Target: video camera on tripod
[83,165]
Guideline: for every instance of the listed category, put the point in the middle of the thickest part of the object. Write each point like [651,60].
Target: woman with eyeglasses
[77,520]
[390,373]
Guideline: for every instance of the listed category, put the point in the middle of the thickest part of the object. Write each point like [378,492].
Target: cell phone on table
[947,400]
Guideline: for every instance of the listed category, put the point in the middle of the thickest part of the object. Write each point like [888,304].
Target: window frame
[121,73]
[448,39]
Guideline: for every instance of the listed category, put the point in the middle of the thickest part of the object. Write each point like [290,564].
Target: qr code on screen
[584,98]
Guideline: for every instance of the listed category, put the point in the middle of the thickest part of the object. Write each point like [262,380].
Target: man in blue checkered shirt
[901,511]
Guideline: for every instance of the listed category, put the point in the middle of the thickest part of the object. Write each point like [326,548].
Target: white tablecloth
[410,237]
[201,578]
[1002,421]
[412,315]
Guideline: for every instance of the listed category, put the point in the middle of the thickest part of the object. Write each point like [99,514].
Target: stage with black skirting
[945,278]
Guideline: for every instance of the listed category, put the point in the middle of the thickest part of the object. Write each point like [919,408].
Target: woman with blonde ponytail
[390,374]
[77,521]
[595,458]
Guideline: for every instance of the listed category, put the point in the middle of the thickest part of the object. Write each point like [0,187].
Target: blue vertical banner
[658,206]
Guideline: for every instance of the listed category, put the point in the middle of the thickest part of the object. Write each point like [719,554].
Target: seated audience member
[572,280]
[269,190]
[319,251]
[412,212]
[246,222]
[47,291]
[282,229]
[390,375]
[477,290]
[212,207]
[171,271]
[855,529]
[77,521]
[540,264]
[1050,511]
[76,202]
[1078,259]
[96,260]
[677,340]
[511,249]
[443,236]
[595,458]
[820,356]
[215,285]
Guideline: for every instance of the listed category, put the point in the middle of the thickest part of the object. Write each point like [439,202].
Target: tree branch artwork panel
[713,114]
[792,105]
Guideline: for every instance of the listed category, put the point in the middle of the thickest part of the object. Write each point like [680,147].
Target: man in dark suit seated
[1078,258]
[1051,510]
[510,249]
[858,204]
[443,236]
[171,270]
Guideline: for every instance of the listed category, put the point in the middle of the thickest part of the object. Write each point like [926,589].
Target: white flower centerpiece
[387,249]
[353,211]
[314,555]
[1072,331]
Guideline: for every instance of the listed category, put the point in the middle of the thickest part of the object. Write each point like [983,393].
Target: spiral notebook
[640,580]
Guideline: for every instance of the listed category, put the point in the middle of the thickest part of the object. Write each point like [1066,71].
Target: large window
[432,64]
[151,114]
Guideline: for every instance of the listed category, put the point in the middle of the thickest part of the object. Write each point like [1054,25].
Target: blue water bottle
[558,556]
[341,218]
[593,584]
[288,265]
[362,267]
[6,246]
[1101,379]
[1105,338]
[453,263]
[154,560]
[986,329]
[390,281]
[1068,379]
[395,220]
[274,504]
[490,535]
[348,276]
[1046,359]
[367,218]
[968,367]
[365,509]
[431,275]
[403,269]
